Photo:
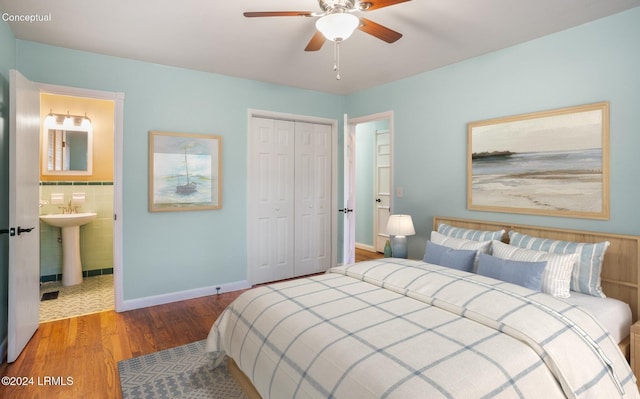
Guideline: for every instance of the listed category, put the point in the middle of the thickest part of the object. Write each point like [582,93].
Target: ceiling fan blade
[376,4]
[253,14]
[379,31]
[316,42]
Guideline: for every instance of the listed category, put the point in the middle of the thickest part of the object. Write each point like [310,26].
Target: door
[349,220]
[24,242]
[291,211]
[271,200]
[312,198]
[382,187]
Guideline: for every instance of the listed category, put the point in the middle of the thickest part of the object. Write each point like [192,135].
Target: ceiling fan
[337,21]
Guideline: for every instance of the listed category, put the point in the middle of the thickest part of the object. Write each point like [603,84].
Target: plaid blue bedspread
[395,328]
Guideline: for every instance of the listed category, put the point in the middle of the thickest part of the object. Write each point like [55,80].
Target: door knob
[378,200]
[27,230]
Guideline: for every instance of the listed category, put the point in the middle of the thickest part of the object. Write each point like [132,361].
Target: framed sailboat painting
[185,171]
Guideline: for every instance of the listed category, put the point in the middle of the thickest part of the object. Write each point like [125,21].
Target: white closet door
[312,198]
[271,200]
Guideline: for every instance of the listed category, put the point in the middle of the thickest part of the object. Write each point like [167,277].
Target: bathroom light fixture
[67,121]
[400,226]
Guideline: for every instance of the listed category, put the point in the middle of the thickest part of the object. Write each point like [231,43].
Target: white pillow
[556,278]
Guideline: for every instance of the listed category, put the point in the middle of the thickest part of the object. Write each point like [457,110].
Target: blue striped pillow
[585,278]
[469,234]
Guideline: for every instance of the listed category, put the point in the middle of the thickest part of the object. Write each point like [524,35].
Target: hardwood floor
[363,254]
[83,352]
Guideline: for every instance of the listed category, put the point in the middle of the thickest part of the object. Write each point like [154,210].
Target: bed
[406,328]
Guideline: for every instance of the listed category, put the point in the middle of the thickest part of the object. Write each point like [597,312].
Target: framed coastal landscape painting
[185,171]
[553,163]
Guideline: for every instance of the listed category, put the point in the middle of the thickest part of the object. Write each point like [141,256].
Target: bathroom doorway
[89,188]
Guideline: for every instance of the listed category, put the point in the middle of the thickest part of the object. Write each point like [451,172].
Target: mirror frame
[45,146]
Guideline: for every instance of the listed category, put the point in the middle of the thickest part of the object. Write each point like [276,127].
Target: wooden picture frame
[185,171]
[553,163]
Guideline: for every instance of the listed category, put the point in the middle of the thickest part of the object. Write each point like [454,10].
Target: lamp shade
[400,225]
[338,26]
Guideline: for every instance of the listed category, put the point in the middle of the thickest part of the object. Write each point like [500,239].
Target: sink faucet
[69,209]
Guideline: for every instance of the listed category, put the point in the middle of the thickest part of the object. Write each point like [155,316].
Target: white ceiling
[213,36]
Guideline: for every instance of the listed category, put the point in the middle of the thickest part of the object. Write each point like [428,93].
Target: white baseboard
[138,303]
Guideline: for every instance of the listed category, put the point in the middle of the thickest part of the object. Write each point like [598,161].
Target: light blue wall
[173,251]
[599,61]
[7,62]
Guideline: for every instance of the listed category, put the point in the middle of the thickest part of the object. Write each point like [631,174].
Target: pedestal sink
[70,224]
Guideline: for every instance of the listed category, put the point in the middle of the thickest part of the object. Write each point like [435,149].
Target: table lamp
[400,226]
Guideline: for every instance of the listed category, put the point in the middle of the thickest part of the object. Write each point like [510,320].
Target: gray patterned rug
[185,372]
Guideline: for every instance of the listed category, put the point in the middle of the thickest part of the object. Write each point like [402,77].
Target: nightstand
[635,349]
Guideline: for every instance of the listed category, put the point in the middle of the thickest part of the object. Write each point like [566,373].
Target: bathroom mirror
[67,150]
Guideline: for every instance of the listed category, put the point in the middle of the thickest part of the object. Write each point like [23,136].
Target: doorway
[76,176]
[368,181]
[100,192]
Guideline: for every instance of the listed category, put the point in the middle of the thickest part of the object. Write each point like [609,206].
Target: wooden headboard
[620,277]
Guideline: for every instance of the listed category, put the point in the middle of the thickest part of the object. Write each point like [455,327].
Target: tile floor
[95,294]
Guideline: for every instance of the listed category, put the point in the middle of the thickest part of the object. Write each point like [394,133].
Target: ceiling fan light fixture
[337,26]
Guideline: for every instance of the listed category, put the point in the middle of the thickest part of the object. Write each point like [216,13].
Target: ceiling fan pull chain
[336,58]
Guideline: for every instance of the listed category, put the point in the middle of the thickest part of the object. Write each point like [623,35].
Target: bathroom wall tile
[85,273]
[48,278]
[92,273]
